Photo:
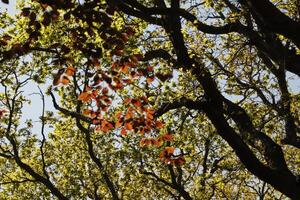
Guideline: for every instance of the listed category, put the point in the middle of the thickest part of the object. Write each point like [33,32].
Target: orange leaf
[114,65]
[93,115]
[158,142]
[127,81]
[70,71]
[127,101]
[149,116]
[65,80]
[159,124]
[128,126]
[137,103]
[169,150]
[96,121]
[119,123]
[167,137]
[150,111]
[106,126]
[118,85]
[87,112]
[129,115]
[163,154]
[105,129]
[94,94]
[150,69]
[104,91]
[142,130]
[85,97]
[124,69]
[148,142]
[123,132]
[150,79]
[142,142]
[118,115]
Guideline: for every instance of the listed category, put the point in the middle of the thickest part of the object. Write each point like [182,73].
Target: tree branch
[69,113]
[272,18]
[182,102]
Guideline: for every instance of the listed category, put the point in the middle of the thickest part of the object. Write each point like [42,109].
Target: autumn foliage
[150,99]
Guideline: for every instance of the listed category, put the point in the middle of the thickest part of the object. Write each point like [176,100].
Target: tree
[156,99]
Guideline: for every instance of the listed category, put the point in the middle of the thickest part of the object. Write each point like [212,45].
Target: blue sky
[11,7]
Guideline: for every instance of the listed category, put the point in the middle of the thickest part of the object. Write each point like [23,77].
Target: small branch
[69,113]
[158,178]
[158,53]
[43,133]
[6,156]
[16,181]
[182,102]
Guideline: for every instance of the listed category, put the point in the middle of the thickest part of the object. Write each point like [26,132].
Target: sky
[11,7]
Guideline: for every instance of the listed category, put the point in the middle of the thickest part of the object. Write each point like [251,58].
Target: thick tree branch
[97,161]
[268,15]
[215,113]
[133,8]
[277,52]
[283,181]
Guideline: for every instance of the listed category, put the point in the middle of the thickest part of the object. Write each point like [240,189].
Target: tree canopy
[153,99]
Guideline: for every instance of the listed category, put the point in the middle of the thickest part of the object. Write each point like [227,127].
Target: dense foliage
[155,99]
